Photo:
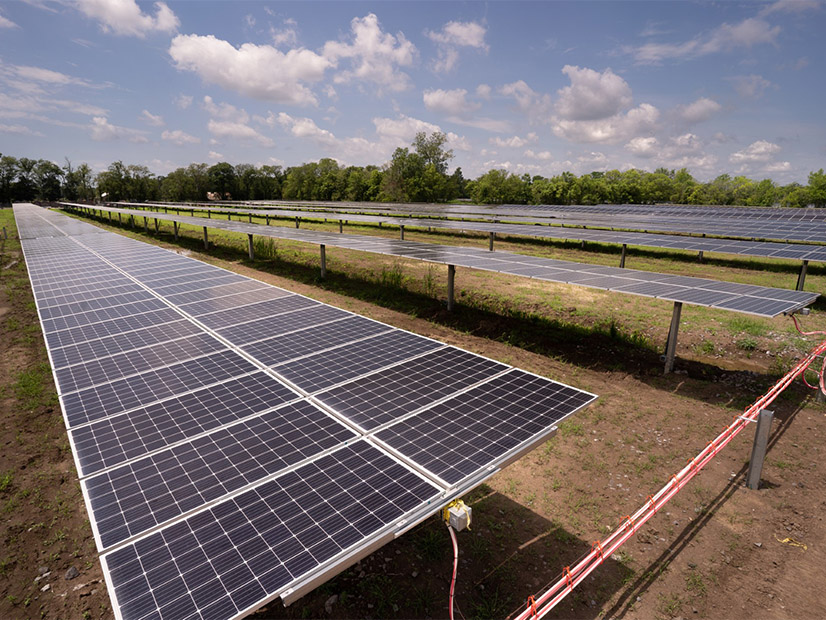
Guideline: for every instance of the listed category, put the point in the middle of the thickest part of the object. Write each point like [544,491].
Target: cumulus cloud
[592,95]
[375,56]
[152,119]
[215,156]
[306,128]
[535,106]
[125,18]
[101,130]
[699,111]
[454,105]
[745,34]
[452,37]
[286,35]
[750,86]
[594,108]
[514,142]
[449,102]
[790,6]
[179,137]
[257,71]
[483,91]
[643,146]
[228,122]
[541,155]
[779,166]
[183,101]
[760,151]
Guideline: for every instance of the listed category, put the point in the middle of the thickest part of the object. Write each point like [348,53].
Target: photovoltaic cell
[136,497]
[117,439]
[225,560]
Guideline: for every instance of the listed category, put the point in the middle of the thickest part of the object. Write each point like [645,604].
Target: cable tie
[532,606]
[598,547]
[567,571]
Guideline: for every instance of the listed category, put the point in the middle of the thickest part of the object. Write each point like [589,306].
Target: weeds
[744,324]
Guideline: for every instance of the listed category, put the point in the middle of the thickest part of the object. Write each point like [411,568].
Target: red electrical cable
[455,567]
[630,524]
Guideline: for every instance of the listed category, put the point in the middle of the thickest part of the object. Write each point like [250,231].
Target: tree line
[418,173]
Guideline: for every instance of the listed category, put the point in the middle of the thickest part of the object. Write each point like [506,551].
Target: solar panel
[212,485]
[502,262]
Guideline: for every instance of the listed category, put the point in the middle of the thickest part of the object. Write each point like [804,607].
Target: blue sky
[531,87]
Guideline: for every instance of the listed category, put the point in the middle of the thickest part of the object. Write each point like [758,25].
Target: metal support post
[323,261]
[671,343]
[175,227]
[296,222]
[401,233]
[451,276]
[268,220]
[582,244]
[700,256]
[622,257]
[820,397]
[229,217]
[206,239]
[120,222]
[249,244]
[801,279]
[209,214]
[340,226]
[157,226]
[250,218]
[132,220]
[491,237]
[145,224]
[166,209]
[758,450]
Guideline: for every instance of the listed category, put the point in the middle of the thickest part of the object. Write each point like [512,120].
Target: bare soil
[718,550]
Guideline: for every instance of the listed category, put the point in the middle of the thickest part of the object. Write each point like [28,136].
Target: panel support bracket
[491,237]
[250,247]
[206,239]
[323,256]
[622,256]
[175,227]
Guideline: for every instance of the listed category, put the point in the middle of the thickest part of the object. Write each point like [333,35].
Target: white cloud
[593,158]
[747,33]
[227,121]
[306,128]
[514,142]
[179,138]
[593,109]
[455,106]
[530,102]
[152,119]
[751,86]
[7,23]
[124,17]
[375,56]
[790,6]
[449,102]
[287,35]
[103,131]
[257,71]
[20,130]
[45,76]
[779,166]
[183,101]
[483,91]
[451,37]
[541,155]
[643,146]
[699,111]
[215,156]
[592,95]
[760,151]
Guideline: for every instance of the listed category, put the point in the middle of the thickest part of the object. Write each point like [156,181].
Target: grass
[747,325]
[32,387]
[6,481]
[747,344]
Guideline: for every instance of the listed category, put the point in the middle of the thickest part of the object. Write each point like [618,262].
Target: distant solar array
[750,299]
[237,442]
[763,249]
[752,223]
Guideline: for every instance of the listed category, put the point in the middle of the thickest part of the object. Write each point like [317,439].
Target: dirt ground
[718,550]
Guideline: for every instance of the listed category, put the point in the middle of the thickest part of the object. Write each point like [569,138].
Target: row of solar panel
[215,479]
[767,249]
[758,300]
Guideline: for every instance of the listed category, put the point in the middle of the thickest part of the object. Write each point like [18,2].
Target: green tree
[113,182]
[817,188]
[48,176]
[26,186]
[8,176]
[222,180]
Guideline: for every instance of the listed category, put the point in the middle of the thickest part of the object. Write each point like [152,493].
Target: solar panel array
[763,249]
[783,224]
[226,432]
[749,299]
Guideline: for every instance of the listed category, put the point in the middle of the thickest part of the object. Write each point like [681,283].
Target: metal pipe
[175,226]
[206,239]
[401,233]
[801,279]
[758,450]
[622,257]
